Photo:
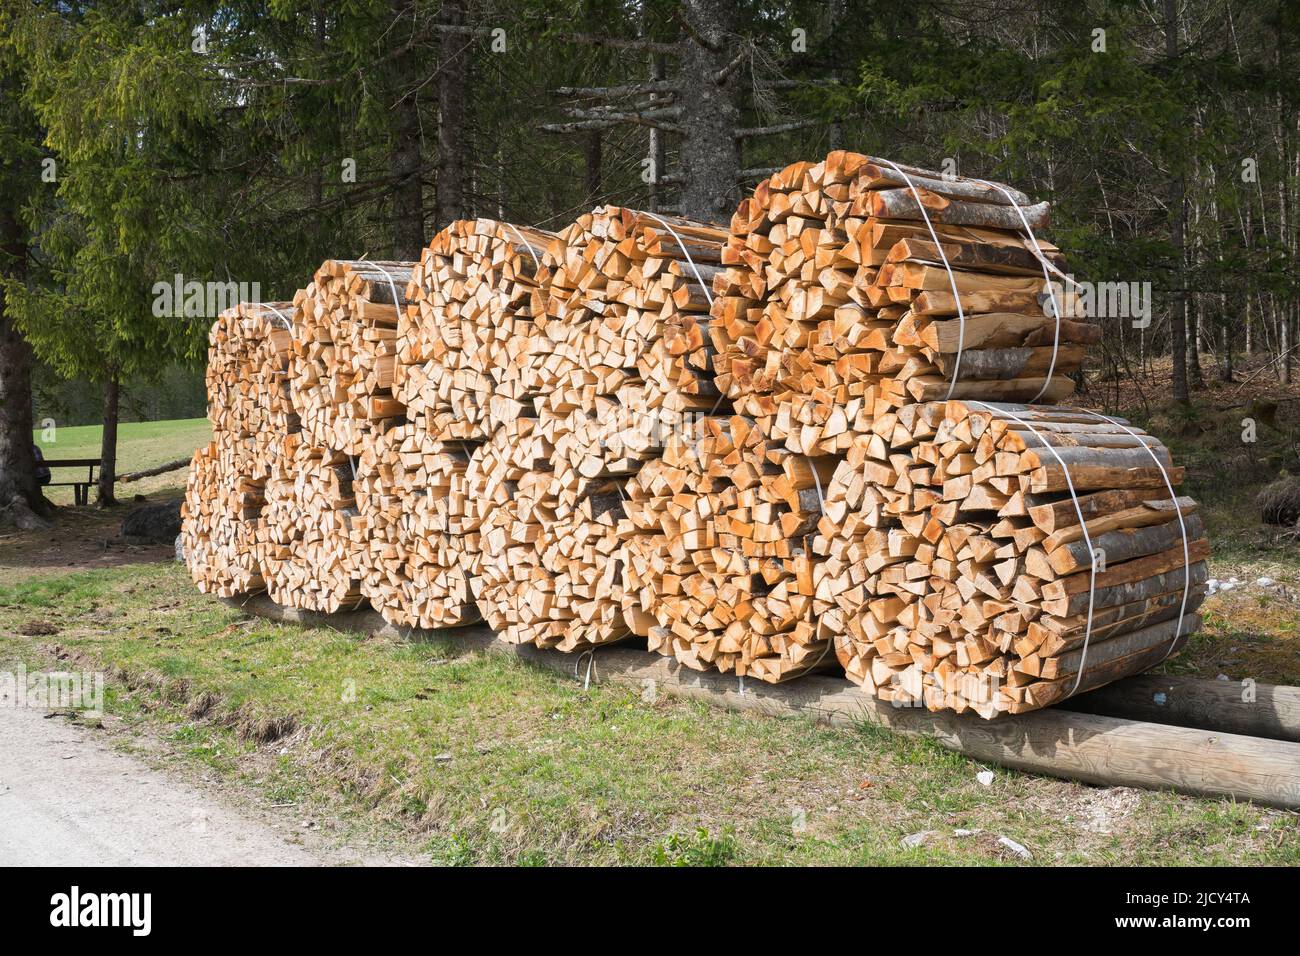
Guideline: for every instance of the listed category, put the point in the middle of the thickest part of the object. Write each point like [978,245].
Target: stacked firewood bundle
[470,355]
[345,351]
[411,491]
[220,518]
[312,544]
[616,277]
[837,304]
[719,558]
[250,353]
[1000,557]
[249,406]
[509,481]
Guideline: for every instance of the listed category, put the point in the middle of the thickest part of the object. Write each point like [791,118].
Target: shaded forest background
[248,141]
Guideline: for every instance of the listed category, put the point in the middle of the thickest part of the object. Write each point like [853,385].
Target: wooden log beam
[1237,707]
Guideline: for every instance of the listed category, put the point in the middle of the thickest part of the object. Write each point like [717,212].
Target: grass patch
[480,759]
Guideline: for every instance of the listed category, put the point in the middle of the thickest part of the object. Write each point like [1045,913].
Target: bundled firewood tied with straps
[312,543]
[470,355]
[250,355]
[220,521]
[837,305]
[957,571]
[719,565]
[345,351]
[411,491]
[618,279]
[508,479]
[250,407]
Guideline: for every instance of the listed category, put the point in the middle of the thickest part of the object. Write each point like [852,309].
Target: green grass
[475,759]
[140,445]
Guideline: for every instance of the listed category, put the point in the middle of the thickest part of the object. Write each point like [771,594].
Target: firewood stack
[836,306]
[249,405]
[509,480]
[220,517]
[958,574]
[250,355]
[719,558]
[616,276]
[823,437]
[311,544]
[411,491]
[469,354]
[345,351]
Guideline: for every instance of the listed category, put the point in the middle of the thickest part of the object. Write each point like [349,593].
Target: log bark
[108,442]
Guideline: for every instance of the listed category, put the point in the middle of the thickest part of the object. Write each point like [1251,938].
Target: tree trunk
[108,444]
[710,116]
[21,501]
[1177,229]
[593,164]
[453,62]
[405,160]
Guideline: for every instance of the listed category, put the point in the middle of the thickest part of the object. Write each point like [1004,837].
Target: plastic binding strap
[1047,280]
[536,262]
[1083,526]
[391,285]
[952,280]
[708,294]
[1182,524]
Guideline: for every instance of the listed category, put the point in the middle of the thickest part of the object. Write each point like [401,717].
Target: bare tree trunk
[108,444]
[450,202]
[21,500]
[710,116]
[1178,229]
[592,156]
[405,161]
[658,71]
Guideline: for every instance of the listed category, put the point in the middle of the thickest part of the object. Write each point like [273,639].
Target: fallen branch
[176,465]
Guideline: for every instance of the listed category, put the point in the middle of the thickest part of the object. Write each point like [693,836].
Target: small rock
[1264,582]
[985,777]
[1223,677]
[913,840]
[160,522]
[443,758]
[960,832]
[1015,848]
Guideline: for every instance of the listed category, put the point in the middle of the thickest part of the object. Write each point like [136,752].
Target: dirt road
[67,797]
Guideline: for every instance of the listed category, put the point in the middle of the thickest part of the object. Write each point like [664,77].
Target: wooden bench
[80,489]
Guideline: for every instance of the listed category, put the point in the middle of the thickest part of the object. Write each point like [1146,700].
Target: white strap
[1083,526]
[536,262]
[1047,279]
[1182,524]
[691,262]
[396,303]
[952,280]
[821,501]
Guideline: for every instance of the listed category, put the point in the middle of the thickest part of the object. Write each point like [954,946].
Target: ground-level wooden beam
[1108,751]
[1256,710]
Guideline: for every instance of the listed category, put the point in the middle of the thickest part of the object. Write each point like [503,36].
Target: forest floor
[424,751]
